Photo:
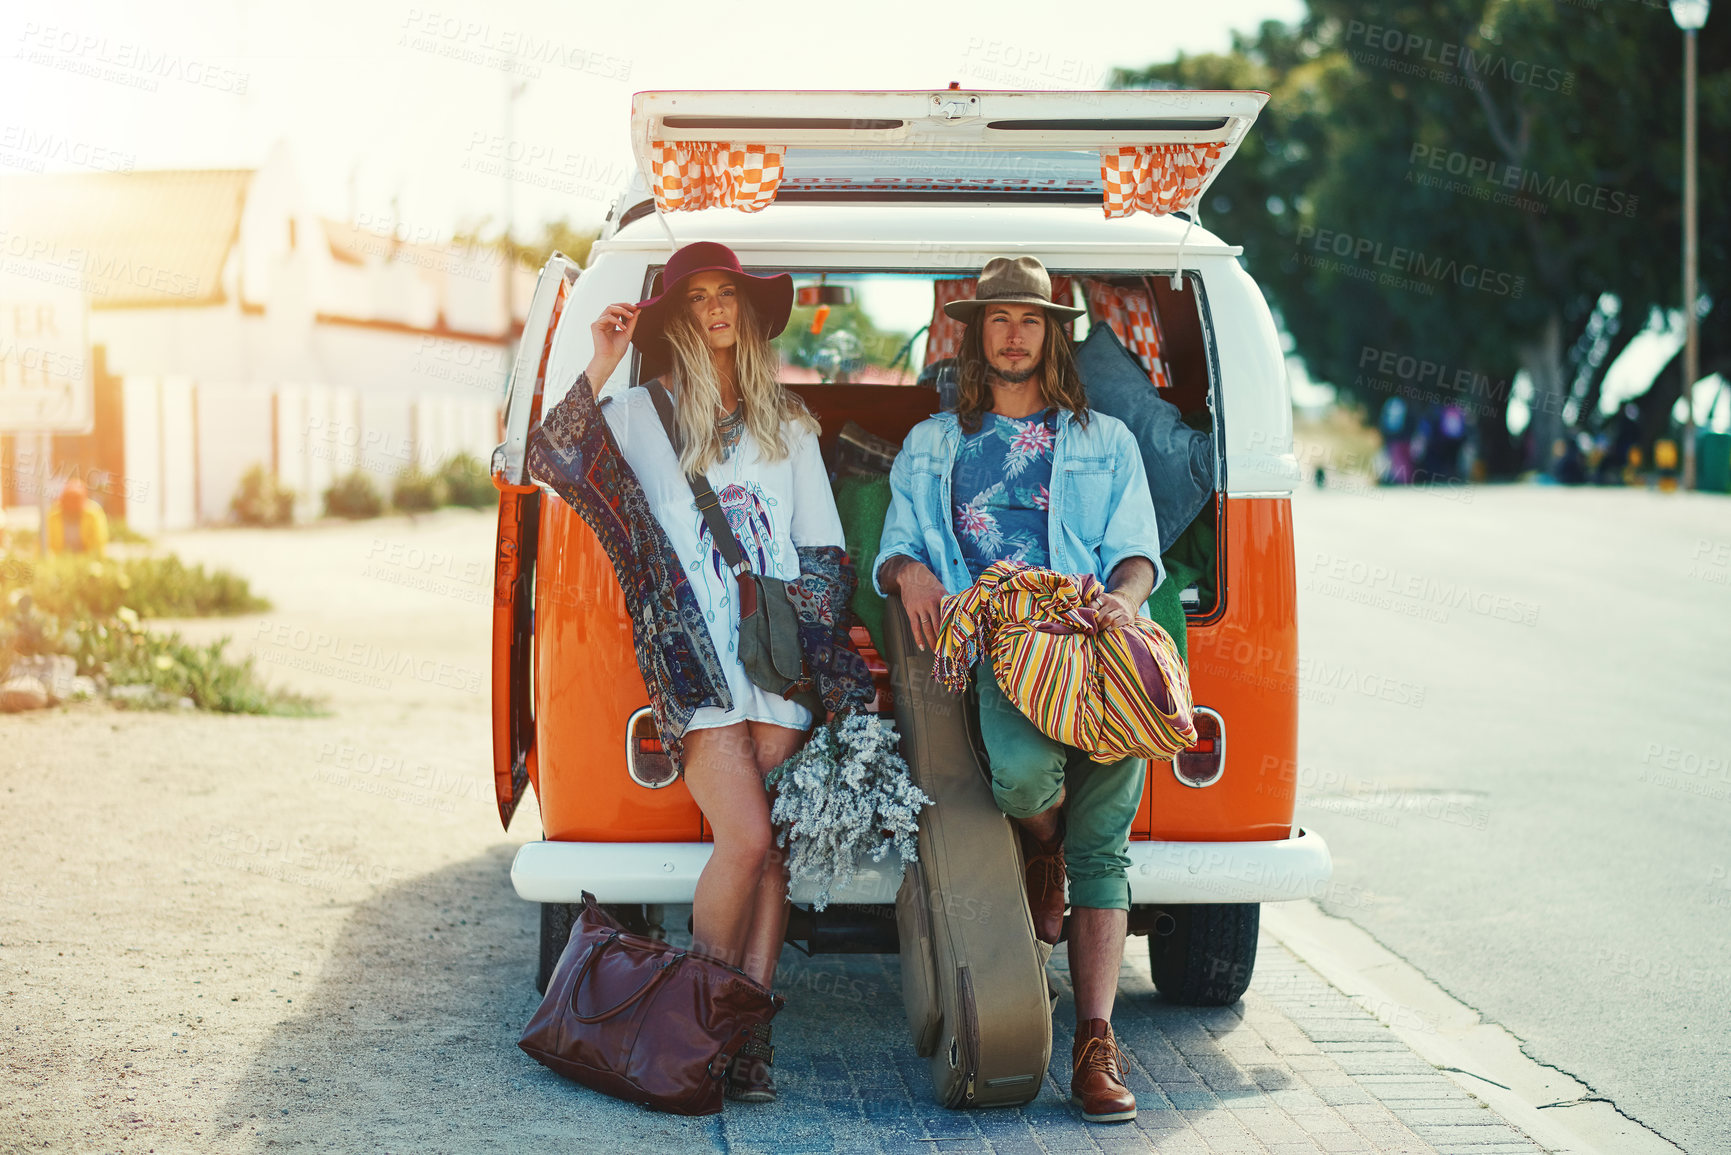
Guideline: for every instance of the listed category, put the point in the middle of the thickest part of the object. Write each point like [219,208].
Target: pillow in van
[1179,460]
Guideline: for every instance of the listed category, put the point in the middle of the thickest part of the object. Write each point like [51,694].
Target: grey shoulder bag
[769,646]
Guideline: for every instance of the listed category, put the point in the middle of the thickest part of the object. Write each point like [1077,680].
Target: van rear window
[874,351]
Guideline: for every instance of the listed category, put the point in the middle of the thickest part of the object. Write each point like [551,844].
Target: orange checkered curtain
[944,338]
[1155,178]
[704,174]
[1130,313]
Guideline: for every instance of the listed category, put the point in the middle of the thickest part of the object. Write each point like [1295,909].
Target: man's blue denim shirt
[1101,511]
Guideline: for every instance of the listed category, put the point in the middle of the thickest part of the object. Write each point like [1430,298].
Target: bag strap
[672,960]
[707,503]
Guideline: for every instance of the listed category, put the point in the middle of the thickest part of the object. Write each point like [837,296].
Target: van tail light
[645,760]
[1204,763]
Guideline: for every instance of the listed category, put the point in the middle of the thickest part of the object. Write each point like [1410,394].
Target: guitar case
[973,974]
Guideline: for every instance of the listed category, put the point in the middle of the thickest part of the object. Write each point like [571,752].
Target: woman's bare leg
[721,770]
[769,907]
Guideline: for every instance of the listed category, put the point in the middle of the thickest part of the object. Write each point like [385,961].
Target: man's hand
[1113,611]
[1132,582]
[922,597]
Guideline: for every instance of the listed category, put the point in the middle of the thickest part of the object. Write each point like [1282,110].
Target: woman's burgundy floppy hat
[771,296]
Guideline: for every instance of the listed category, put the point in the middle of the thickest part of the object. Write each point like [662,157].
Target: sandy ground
[239,934]
[216,930]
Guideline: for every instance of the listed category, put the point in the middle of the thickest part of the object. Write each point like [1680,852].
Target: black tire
[557,919]
[1208,958]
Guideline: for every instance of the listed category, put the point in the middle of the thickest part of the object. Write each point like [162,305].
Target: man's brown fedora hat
[1012,280]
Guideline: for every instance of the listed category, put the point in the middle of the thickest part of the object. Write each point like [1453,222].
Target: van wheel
[1208,958]
[557,918]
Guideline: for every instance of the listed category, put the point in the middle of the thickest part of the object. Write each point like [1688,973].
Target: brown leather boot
[1045,876]
[749,1078]
[1097,1070]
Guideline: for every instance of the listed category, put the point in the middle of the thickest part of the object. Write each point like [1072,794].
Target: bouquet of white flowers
[843,795]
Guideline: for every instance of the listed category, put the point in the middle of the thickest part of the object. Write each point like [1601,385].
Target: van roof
[943,144]
[928,236]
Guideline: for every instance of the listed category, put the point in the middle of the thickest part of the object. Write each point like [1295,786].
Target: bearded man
[1022,469]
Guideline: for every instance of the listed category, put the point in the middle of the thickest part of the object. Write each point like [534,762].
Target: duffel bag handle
[660,973]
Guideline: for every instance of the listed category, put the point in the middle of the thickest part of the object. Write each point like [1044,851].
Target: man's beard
[1015,376]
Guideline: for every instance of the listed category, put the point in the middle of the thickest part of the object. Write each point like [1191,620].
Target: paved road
[238,934]
[1532,777]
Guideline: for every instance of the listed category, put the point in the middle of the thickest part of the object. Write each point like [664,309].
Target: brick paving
[1296,1068]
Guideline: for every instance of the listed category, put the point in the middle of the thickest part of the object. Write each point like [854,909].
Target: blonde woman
[705,338]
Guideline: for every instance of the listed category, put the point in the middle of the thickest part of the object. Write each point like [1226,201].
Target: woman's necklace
[731,427]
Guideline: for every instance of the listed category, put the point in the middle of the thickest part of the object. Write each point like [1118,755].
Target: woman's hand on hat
[612,331]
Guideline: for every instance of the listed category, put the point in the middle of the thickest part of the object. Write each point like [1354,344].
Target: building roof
[126,239]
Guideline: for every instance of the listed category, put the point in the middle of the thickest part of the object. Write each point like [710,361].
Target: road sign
[45,377]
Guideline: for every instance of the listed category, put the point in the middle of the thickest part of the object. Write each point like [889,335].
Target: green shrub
[353,496]
[118,649]
[468,481]
[260,499]
[417,491]
[154,586]
[126,654]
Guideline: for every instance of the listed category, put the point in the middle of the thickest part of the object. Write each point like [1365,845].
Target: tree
[556,236]
[1504,173]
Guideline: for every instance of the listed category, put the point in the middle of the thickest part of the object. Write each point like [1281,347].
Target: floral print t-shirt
[1000,490]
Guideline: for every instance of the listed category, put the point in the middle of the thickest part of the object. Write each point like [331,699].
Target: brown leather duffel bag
[642,1020]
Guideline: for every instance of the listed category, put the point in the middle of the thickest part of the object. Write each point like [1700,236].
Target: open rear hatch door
[936,145]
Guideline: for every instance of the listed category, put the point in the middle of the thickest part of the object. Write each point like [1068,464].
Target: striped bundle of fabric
[1113,693]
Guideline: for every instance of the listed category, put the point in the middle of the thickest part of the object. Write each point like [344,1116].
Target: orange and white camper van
[882,205]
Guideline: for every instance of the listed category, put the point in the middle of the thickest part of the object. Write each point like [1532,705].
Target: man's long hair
[697,388]
[1060,382]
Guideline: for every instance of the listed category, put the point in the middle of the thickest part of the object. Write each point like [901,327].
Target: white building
[231,326]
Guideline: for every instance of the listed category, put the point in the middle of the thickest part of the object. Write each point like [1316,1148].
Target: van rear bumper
[1160,872]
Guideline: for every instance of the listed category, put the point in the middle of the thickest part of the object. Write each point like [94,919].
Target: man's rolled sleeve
[1131,528]
[901,536]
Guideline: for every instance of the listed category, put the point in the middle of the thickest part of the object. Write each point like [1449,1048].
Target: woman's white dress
[773,507]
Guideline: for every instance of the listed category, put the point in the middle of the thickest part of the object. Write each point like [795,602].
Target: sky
[384,103]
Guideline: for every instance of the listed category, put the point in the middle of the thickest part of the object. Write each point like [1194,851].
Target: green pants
[1028,771]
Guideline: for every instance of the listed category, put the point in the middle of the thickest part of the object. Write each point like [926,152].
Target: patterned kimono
[573,452]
